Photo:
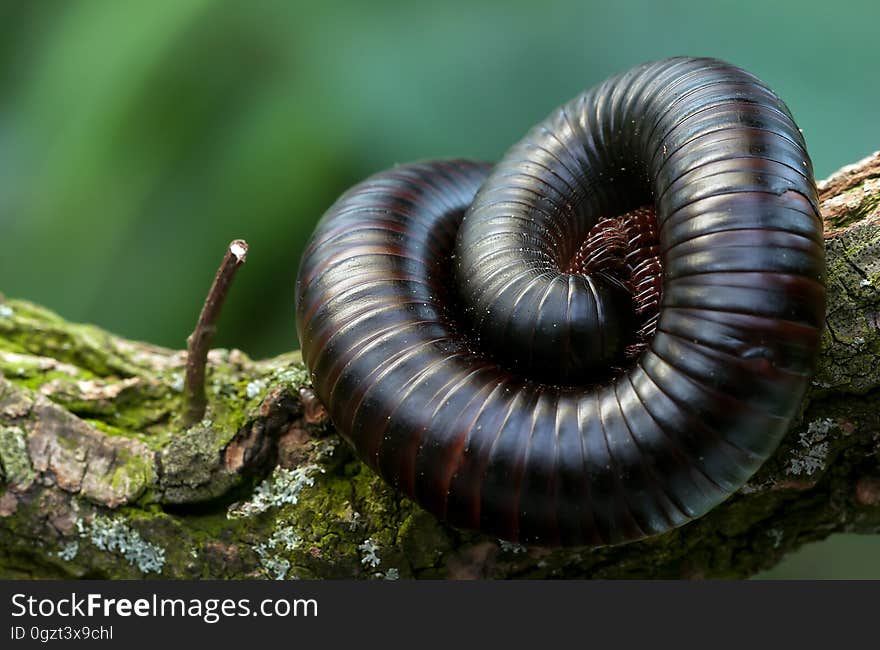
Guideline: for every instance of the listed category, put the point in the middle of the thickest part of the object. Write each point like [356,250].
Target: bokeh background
[138,138]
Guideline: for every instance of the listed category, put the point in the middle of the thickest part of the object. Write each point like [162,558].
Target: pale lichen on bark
[101,479]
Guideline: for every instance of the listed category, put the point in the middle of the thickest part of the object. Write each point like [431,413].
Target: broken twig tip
[239,249]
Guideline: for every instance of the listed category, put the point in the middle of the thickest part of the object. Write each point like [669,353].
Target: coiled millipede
[504,347]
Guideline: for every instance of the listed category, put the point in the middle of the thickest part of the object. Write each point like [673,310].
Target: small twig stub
[199,342]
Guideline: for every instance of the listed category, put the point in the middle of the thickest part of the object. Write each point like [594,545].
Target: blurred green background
[138,138]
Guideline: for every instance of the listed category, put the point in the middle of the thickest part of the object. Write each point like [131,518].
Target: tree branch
[100,480]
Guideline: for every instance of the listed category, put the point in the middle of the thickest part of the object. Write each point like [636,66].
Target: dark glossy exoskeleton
[467,368]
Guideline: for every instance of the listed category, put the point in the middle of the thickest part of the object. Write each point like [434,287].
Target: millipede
[595,340]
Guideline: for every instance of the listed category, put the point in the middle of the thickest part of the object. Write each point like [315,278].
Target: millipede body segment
[515,364]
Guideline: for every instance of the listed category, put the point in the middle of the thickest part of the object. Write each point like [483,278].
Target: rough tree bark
[98,478]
